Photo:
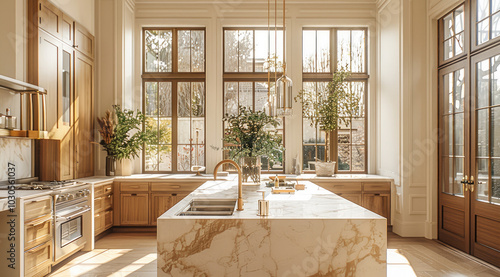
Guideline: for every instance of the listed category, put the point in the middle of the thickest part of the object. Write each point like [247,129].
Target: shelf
[20,86]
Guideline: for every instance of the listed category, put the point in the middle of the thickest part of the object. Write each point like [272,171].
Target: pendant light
[284,84]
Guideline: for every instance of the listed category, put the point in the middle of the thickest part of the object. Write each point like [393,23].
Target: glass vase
[250,167]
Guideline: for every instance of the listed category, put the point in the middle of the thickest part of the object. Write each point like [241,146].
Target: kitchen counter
[311,232]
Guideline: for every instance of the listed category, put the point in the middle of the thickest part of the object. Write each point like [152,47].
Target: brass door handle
[471,184]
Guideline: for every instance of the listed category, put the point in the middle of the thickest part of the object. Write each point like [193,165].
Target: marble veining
[311,233]
[18,152]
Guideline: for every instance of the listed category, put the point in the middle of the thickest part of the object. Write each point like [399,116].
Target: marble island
[311,232]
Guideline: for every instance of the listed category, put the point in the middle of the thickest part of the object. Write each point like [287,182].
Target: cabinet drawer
[98,204]
[376,187]
[174,187]
[356,198]
[103,189]
[37,260]
[108,188]
[134,187]
[98,223]
[37,231]
[341,187]
[107,201]
[36,208]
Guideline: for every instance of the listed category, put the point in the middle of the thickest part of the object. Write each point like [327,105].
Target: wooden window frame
[326,77]
[473,27]
[174,78]
[466,31]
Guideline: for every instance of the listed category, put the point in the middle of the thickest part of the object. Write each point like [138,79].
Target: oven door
[69,232]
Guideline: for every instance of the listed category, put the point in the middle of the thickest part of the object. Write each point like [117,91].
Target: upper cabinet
[84,41]
[50,18]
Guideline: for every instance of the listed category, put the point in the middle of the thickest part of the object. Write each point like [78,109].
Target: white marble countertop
[312,203]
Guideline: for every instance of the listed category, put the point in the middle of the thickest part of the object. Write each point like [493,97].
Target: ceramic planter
[123,167]
[325,169]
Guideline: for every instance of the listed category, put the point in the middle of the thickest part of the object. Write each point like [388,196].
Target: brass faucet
[240,185]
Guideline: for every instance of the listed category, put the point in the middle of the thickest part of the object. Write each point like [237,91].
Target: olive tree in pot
[328,109]
[127,138]
[247,138]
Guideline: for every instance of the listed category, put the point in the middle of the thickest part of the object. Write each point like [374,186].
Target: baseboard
[134,229]
[409,229]
[103,234]
[431,230]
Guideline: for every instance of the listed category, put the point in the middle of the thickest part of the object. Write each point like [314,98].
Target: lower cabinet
[161,202]
[355,198]
[103,207]
[134,208]
[379,203]
[38,260]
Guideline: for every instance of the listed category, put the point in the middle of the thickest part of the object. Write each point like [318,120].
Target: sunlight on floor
[398,264]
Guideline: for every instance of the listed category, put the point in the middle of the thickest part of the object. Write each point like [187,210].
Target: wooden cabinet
[84,93]
[103,207]
[68,76]
[374,195]
[157,196]
[38,233]
[134,208]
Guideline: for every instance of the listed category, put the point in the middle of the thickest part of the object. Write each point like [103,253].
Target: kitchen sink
[209,207]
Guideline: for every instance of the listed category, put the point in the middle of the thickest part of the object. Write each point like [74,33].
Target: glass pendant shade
[284,96]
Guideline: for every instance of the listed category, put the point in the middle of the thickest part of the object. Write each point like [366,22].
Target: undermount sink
[209,207]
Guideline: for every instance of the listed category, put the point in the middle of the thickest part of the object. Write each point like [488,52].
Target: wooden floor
[120,254]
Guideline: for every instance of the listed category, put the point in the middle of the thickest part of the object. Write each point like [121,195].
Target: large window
[247,71]
[325,51]
[174,98]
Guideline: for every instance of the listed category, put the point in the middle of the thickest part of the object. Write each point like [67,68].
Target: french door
[469,155]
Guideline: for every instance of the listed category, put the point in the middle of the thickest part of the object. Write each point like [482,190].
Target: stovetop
[42,185]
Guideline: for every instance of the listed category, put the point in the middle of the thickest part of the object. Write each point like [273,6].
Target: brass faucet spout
[240,185]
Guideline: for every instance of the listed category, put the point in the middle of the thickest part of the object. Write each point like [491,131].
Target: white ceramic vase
[123,167]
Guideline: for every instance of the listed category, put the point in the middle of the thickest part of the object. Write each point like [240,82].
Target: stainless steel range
[38,185]
[72,220]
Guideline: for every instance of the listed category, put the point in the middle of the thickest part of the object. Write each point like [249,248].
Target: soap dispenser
[263,204]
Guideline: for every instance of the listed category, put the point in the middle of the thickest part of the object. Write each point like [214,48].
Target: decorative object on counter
[246,137]
[10,120]
[285,190]
[263,204]
[328,109]
[106,129]
[123,137]
[297,166]
[197,168]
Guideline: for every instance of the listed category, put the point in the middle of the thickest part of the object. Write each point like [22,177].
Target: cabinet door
[67,29]
[353,197]
[98,223]
[50,18]
[179,197]
[84,41]
[108,219]
[160,203]
[378,203]
[134,209]
[84,90]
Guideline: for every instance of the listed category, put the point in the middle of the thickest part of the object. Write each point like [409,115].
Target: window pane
[459,90]
[184,51]
[245,51]
[165,131]
[358,51]
[323,51]
[448,92]
[448,48]
[230,51]
[482,179]
[198,155]
[459,44]
[483,31]
[183,157]
[308,51]
[151,98]
[260,95]
[165,158]
[184,99]
[459,20]
[358,131]
[165,99]
[483,9]
[482,79]
[459,134]
[344,160]
[308,154]
[230,98]
[495,25]
[344,49]
[495,6]
[198,130]
[246,94]
[151,158]
[482,133]
[184,130]
[158,48]
[197,51]
[495,84]
[198,99]
[448,26]
[358,158]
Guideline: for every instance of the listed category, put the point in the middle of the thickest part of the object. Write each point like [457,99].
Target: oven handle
[75,214]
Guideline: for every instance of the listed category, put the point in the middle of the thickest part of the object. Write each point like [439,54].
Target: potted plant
[327,109]
[127,137]
[247,138]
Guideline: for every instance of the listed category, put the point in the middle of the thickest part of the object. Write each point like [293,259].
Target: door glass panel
[448,175]
[495,179]
[482,133]
[482,79]
[459,90]
[458,175]
[482,187]
[495,132]
[448,135]
[459,135]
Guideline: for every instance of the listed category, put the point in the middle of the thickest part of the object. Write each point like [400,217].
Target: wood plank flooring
[126,254]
